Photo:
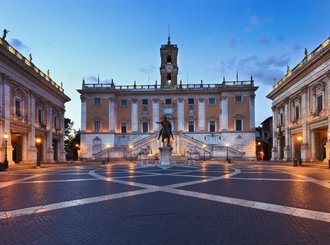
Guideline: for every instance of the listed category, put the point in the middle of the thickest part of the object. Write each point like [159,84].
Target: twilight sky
[120,39]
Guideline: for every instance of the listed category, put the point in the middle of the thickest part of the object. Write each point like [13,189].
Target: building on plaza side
[210,119]
[31,107]
[300,105]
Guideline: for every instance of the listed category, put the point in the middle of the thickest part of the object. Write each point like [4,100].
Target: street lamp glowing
[5,162]
[227,145]
[131,147]
[227,158]
[204,146]
[259,143]
[5,136]
[299,138]
[38,140]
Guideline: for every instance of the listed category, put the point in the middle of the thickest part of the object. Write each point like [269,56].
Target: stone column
[327,146]
[287,133]
[24,147]
[274,149]
[32,152]
[304,113]
[155,115]
[134,116]
[112,115]
[313,145]
[180,115]
[49,145]
[252,112]
[61,150]
[201,115]
[224,113]
[6,114]
[83,113]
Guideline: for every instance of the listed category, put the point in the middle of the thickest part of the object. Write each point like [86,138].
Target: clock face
[169,68]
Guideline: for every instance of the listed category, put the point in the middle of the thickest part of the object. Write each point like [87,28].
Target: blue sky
[120,40]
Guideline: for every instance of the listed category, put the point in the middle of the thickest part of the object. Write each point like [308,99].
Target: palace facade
[31,108]
[210,120]
[301,103]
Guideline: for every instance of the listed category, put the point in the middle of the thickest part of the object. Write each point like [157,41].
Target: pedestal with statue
[166,149]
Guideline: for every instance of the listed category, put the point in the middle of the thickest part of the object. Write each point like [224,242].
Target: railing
[29,64]
[306,60]
[224,84]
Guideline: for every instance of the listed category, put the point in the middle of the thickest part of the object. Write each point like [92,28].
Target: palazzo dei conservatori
[209,120]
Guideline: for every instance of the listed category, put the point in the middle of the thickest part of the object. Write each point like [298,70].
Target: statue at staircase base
[165,156]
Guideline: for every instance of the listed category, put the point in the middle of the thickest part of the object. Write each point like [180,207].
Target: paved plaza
[121,203]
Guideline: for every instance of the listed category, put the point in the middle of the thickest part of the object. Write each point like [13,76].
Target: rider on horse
[166,131]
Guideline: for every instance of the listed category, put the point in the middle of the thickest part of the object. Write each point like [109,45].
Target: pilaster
[134,116]
[224,113]
[180,114]
[201,114]
[83,112]
[112,114]
[155,114]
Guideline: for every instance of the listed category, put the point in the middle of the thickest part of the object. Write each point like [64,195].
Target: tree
[71,139]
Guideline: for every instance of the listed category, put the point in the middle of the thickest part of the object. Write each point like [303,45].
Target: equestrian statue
[166,132]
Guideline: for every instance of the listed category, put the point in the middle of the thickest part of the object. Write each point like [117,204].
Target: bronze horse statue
[166,132]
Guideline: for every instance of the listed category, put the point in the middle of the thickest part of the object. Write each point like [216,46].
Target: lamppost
[204,146]
[299,159]
[108,156]
[38,141]
[5,162]
[227,158]
[131,148]
[78,151]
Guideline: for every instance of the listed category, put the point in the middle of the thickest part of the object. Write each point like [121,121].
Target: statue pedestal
[165,156]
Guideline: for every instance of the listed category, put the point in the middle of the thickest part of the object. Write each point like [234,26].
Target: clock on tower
[169,65]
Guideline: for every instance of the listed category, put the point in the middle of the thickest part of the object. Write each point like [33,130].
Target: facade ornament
[5,32]
[30,55]
[306,52]
[275,81]
[287,69]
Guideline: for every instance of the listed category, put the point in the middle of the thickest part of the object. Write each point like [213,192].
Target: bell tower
[169,65]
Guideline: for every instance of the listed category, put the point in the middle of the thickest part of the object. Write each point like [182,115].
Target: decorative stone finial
[30,55]
[287,69]
[275,81]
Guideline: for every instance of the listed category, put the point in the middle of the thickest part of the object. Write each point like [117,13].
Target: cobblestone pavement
[143,204]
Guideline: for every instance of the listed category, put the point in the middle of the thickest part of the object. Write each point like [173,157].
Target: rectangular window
[123,127]
[18,108]
[296,113]
[40,116]
[319,103]
[55,121]
[145,127]
[281,119]
[212,126]
[123,103]
[238,125]
[97,101]
[211,101]
[238,99]
[97,126]
[191,126]
[191,101]
[145,102]
[168,101]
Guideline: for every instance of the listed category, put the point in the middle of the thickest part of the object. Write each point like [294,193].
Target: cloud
[147,70]
[294,48]
[94,79]
[265,40]
[263,69]
[233,42]
[19,45]
[255,20]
